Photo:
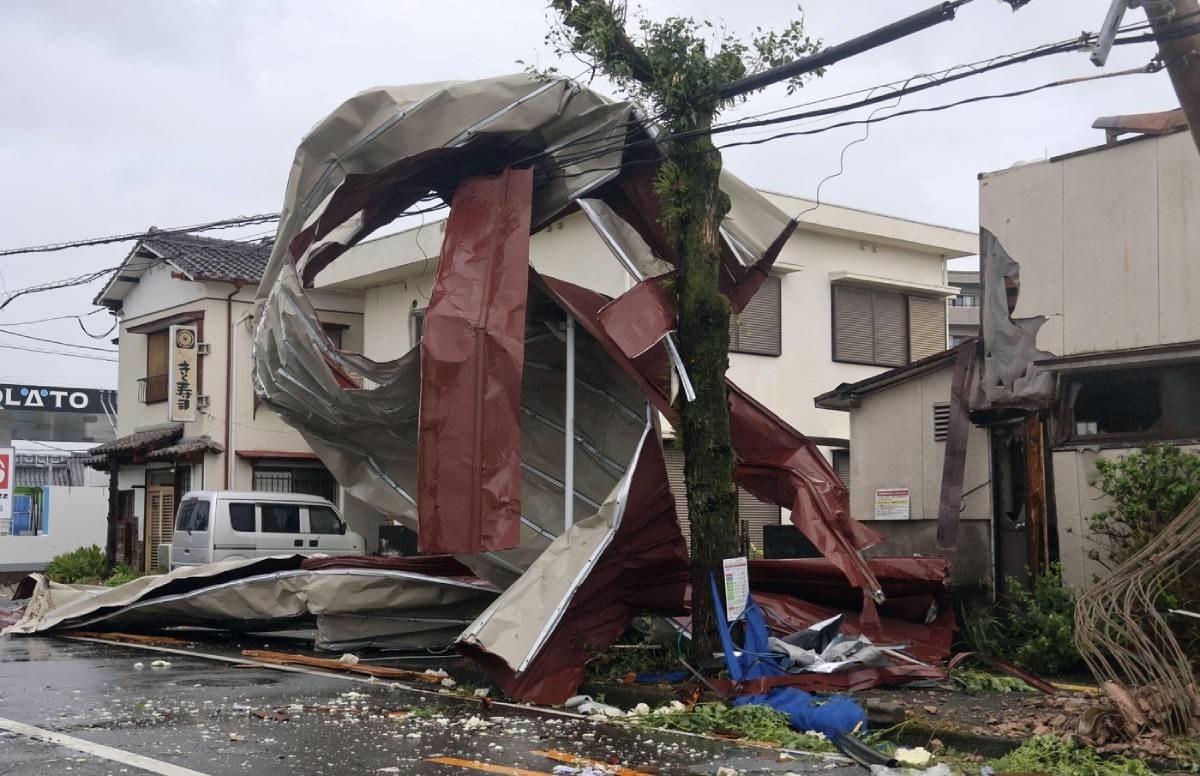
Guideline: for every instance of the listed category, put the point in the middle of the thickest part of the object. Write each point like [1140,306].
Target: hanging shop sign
[184,385]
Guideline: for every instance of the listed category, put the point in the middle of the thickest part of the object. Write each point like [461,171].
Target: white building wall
[77,518]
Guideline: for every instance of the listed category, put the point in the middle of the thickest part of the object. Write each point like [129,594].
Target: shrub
[1040,632]
[84,565]
[1148,488]
[121,574]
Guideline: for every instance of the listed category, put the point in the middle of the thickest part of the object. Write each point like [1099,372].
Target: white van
[212,526]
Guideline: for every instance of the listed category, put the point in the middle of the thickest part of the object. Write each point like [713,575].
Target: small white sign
[737,587]
[184,383]
[7,473]
[892,504]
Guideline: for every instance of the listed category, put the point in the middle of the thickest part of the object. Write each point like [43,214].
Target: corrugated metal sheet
[758,328]
[926,326]
[756,514]
[674,458]
[853,325]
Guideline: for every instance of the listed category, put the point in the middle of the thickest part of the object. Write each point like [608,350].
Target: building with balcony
[962,315]
[226,440]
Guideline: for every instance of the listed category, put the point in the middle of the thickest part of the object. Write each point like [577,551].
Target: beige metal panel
[1110,249]
[853,327]
[926,326]
[1178,236]
[891,328]
[887,447]
[674,458]
[1023,207]
[757,329]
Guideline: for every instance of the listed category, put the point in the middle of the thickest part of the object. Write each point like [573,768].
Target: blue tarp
[828,715]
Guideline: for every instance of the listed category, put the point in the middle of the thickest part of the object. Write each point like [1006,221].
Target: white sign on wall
[184,385]
[892,504]
[7,473]
[737,587]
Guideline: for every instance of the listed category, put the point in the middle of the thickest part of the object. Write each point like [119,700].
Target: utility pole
[1181,52]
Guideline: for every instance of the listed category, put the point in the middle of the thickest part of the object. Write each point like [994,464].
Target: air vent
[941,421]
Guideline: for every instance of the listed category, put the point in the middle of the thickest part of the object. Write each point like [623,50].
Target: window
[193,516]
[323,520]
[885,328]
[241,517]
[1143,403]
[314,480]
[153,387]
[280,518]
[416,326]
[841,464]
[757,330]
[941,421]
[963,300]
[334,332]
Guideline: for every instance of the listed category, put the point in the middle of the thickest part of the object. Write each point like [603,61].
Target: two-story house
[851,294]
[1089,348]
[205,288]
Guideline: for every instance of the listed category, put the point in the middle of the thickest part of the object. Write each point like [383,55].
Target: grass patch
[975,681]
[1062,757]
[755,722]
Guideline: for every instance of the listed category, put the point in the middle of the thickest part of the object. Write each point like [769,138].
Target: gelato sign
[50,399]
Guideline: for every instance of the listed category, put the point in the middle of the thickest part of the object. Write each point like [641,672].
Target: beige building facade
[234,443]
[852,293]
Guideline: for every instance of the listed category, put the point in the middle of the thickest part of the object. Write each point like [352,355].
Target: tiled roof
[139,440]
[207,258]
[184,447]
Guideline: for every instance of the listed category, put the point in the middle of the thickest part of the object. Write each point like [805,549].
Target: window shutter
[756,514]
[941,421]
[926,326]
[853,339]
[891,331]
[757,330]
[841,465]
[674,459]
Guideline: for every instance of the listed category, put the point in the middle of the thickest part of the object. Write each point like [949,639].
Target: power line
[225,223]
[55,318]
[56,342]
[58,353]
[77,280]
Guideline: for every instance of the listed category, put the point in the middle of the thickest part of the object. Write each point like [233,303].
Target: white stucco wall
[1106,243]
[76,518]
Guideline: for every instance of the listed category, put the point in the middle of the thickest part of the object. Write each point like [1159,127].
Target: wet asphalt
[218,718]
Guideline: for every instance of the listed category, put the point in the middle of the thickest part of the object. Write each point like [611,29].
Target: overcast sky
[118,115]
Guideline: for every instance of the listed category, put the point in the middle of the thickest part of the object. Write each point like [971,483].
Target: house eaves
[849,395]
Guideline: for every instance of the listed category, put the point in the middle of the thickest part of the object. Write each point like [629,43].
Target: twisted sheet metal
[1128,644]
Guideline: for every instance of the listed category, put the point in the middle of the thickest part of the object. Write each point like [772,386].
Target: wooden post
[1035,496]
[1182,54]
[110,540]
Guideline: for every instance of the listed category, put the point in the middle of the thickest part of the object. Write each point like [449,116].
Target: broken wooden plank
[381,672]
[572,759]
[129,638]
[476,765]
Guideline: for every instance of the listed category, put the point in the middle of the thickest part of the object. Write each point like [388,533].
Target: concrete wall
[893,447]
[1076,499]
[76,518]
[1106,243]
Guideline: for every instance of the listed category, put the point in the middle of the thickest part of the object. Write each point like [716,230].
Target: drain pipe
[237,286]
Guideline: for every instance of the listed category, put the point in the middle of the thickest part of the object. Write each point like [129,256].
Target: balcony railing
[152,389]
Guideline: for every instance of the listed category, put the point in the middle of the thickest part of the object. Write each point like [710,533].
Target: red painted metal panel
[472,352]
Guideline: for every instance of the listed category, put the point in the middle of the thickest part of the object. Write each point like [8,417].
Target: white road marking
[97,750]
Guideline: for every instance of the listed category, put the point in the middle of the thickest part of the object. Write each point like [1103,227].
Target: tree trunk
[696,206]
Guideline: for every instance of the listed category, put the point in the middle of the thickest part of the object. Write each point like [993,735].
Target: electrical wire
[55,318]
[224,223]
[77,280]
[58,353]
[56,342]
